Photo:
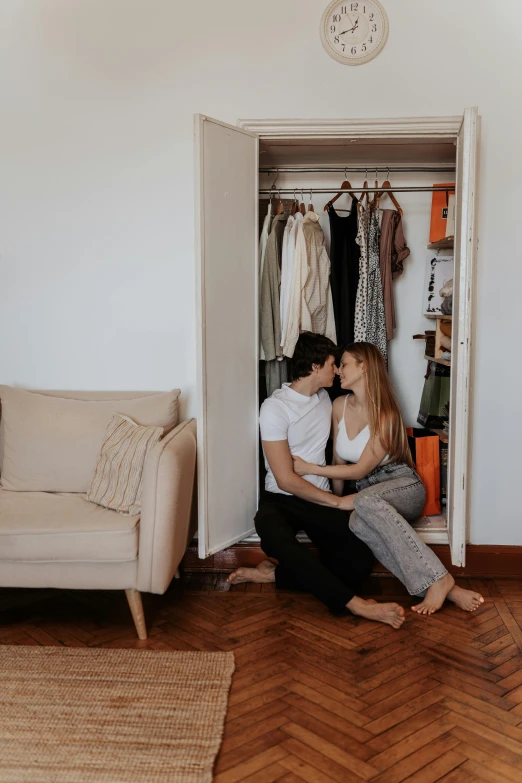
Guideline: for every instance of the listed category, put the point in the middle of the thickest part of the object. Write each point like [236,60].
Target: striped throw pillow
[118,477]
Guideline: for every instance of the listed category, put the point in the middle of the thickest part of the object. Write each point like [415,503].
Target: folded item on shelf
[435,396]
[445,342]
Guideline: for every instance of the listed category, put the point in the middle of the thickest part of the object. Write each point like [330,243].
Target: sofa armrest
[167,504]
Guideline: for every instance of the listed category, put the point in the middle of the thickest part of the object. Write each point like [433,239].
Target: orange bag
[439,211]
[425,450]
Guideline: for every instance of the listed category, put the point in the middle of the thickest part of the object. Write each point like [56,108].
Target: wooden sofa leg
[136,607]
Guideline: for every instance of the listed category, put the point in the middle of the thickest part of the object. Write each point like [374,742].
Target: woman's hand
[346,503]
[301,467]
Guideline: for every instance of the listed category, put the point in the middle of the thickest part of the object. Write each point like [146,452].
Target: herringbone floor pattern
[321,699]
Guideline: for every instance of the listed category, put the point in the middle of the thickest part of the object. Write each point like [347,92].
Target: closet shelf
[438,361]
[447,243]
[438,316]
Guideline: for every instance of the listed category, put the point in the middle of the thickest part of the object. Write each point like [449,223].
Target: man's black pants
[344,560]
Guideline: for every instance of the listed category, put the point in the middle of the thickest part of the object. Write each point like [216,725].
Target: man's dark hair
[310,349]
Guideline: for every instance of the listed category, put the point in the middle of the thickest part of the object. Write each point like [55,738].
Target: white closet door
[227,326]
[459,462]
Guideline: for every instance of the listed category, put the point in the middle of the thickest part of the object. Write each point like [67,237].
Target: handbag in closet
[425,450]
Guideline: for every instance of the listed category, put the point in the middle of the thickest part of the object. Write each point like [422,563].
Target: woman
[369,432]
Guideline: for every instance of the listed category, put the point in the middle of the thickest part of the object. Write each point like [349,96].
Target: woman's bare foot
[467,600]
[391,614]
[263,574]
[435,596]
[266,565]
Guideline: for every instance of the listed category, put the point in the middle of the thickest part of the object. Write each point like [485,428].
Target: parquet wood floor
[320,699]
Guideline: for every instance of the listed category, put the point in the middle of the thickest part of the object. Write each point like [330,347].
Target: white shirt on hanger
[262,252]
[311,306]
[287,266]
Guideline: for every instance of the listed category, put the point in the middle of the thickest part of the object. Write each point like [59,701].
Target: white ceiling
[343,152]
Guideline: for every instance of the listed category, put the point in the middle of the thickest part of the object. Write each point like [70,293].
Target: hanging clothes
[375,316]
[311,307]
[344,255]
[267,223]
[287,266]
[324,222]
[393,251]
[360,326]
[270,284]
[276,373]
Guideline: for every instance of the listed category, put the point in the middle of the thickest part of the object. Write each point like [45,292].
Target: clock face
[354,32]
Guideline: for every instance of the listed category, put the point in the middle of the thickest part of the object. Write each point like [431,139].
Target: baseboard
[487,561]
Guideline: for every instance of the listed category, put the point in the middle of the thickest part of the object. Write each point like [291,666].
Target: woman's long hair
[384,416]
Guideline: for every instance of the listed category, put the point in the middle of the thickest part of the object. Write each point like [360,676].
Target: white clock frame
[352,59]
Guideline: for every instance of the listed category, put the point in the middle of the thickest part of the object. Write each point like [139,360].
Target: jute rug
[111,716]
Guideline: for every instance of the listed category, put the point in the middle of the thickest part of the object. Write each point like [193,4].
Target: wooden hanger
[280,206]
[346,186]
[294,205]
[302,206]
[387,184]
[374,203]
[310,205]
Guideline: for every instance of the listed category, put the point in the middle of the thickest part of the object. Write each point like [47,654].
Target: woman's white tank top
[351,450]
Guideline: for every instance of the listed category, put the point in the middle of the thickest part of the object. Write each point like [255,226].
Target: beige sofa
[50,535]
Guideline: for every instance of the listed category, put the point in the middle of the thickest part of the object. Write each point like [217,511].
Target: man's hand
[301,467]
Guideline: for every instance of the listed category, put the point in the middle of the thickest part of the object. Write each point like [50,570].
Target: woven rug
[111,716]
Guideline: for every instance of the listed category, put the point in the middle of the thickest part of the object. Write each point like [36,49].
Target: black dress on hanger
[344,271]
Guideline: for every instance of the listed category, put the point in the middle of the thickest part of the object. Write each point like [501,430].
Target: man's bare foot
[435,596]
[391,614]
[263,574]
[467,600]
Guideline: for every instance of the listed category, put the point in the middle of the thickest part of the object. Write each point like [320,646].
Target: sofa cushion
[50,444]
[46,527]
[118,477]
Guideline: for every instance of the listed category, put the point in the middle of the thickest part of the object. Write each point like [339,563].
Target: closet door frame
[416,128]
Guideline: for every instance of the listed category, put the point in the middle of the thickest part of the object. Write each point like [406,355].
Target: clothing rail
[352,169]
[275,191]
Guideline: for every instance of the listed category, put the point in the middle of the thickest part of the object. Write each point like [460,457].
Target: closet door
[459,458]
[227,332]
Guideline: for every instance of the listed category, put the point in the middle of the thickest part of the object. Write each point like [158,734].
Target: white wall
[96,180]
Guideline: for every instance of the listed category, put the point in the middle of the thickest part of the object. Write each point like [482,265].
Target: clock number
[336,39]
[332,28]
[343,9]
[364,47]
[344,46]
[374,28]
[364,9]
[354,6]
[336,18]
[370,39]
[354,50]
[372,16]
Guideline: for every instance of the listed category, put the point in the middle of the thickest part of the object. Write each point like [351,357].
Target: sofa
[51,535]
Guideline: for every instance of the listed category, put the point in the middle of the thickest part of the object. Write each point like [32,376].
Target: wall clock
[354,32]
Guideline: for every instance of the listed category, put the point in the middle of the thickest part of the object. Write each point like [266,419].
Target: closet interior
[405,189]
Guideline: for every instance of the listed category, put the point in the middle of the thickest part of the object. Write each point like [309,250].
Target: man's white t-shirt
[304,422]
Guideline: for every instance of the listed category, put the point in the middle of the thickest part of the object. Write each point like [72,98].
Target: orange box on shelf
[439,210]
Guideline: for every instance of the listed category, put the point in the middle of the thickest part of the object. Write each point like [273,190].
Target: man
[296,419]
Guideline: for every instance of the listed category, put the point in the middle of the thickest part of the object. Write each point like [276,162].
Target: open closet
[244,171]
